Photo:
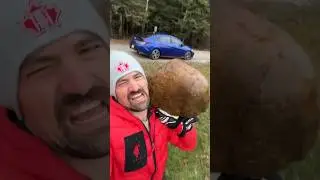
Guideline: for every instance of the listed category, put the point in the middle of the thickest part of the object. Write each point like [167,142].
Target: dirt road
[199,57]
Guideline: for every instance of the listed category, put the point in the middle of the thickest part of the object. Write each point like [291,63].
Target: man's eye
[90,48]
[37,70]
[120,83]
[138,76]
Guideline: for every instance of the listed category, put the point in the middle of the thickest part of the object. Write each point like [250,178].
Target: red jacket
[136,153]
[24,157]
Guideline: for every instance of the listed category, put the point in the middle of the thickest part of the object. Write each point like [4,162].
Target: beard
[92,144]
[138,107]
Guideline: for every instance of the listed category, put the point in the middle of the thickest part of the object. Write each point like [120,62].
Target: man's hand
[173,122]
[169,120]
[187,124]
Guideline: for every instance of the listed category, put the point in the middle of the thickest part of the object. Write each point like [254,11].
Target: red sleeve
[186,143]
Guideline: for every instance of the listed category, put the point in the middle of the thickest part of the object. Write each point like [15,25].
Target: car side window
[164,39]
[175,41]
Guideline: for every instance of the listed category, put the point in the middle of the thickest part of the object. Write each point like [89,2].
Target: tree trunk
[120,26]
[127,28]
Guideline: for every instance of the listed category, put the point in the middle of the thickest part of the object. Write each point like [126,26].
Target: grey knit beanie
[121,64]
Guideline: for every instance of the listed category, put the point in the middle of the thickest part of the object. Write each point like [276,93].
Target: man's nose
[134,86]
[75,80]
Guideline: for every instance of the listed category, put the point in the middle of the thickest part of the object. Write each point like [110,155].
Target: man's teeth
[85,107]
[136,96]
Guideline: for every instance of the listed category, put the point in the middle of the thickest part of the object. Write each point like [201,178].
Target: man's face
[63,94]
[132,92]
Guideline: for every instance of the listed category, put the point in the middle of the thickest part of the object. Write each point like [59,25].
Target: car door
[176,47]
[164,45]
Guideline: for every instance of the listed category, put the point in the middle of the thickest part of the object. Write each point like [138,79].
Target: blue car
[160,45]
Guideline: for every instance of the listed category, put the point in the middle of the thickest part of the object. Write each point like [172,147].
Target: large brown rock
[179,89]
[265,114]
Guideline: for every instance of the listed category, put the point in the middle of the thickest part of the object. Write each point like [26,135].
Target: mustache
[95,93]
[136,92]
[72,100]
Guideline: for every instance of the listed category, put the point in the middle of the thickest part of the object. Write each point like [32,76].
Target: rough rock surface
[179,89]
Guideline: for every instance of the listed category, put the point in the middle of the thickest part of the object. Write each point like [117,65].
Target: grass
[189,165]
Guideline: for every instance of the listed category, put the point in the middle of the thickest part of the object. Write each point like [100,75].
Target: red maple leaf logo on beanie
[39,18]
[123,67]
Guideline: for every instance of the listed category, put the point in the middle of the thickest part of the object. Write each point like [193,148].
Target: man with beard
[54,85]
[139,134]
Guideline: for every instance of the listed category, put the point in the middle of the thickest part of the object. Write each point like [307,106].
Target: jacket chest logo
[135,152]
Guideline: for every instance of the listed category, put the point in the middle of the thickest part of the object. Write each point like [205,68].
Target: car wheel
[187,55]
[155,54]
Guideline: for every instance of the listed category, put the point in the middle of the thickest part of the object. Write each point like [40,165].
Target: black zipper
[154,155]
[152,146]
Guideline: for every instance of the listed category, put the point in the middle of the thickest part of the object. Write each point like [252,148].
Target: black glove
[187,124]
[173,122]
[169,120]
